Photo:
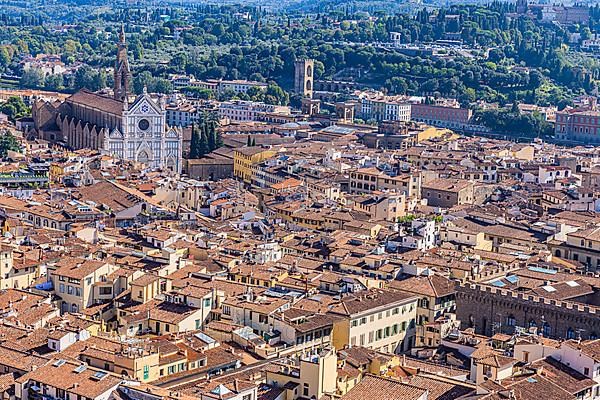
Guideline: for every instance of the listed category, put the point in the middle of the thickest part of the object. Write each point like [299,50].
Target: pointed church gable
[172,134]
[144,105]
[144,147]
[144,153]
[115,134]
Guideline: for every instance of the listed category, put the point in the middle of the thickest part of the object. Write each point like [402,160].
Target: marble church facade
[126,127]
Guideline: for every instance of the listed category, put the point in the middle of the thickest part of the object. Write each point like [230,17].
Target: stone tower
[122,72]
[303,78]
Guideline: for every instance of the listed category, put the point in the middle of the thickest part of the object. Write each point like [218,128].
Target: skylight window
[549,288]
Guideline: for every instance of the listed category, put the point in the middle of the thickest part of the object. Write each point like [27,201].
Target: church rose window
[143,124]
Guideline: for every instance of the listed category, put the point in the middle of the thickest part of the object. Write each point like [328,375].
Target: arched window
[143,157]
[546,329]
[570,333]
[531,324]
[74,308]
[309,71]
[308,85]
[557,253]
[511,321]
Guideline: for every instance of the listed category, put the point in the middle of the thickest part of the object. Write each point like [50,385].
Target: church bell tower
[122,72]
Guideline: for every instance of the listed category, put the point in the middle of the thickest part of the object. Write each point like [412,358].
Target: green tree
[276,95]
[14,108]
[180,61]
[8,143]
[89,78]
[5,56]
[141,80]
[54,82]
[32,78]
[212,136]
[203,146]
[195,143]
[198,93]
[161,85]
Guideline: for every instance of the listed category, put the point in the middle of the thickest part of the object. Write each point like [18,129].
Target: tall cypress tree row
[195,143]
[203,149]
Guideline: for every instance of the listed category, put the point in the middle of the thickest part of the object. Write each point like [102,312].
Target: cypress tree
[195,143]
[212,140]
[203,148]
[218,137]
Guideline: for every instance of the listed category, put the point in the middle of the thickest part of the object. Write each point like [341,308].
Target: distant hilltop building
[217,86]
[304,77]
[579,125]
[47,64]
[566,15]
[132,131]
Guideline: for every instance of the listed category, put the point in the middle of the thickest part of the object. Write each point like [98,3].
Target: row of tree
[512,122]
[205,136]
[220,45]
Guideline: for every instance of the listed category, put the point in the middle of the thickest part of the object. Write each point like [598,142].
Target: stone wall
[491,310]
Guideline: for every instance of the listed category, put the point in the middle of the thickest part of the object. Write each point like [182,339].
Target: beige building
[447,193]
[518,151]
[181,310]
[462,232]
[367,180]
[311,377]
[148,361]
[62,379]
[16,274]
[377,319]
[582,246]
[381,207]
[159,317]
[487,364]
[75,281]
[437,295]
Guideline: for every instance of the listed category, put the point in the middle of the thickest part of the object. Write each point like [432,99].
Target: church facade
[125,127]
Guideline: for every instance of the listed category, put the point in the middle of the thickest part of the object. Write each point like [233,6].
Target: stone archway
[143,156]
[171,164]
